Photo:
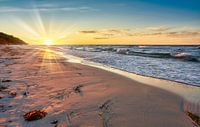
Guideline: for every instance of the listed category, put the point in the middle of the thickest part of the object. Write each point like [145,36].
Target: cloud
[88,31]
[116,30]
[106,33]
[113,33]
[184,34]
[174,34]
[46,8]
[100,38]
[159,29]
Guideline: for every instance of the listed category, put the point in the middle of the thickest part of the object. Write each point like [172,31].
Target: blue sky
[137,15]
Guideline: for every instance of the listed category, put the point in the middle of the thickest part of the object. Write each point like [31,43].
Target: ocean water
[176,63]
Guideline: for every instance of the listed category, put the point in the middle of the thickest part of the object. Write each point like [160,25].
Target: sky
[141,22]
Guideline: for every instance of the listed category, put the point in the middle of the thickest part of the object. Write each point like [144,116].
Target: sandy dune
[76,95]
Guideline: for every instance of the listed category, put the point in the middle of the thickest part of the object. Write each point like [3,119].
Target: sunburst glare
[46,32]
[48,42]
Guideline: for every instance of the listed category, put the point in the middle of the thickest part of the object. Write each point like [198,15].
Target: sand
[76,95]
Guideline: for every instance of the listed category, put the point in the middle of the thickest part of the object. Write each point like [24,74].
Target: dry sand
[75,95]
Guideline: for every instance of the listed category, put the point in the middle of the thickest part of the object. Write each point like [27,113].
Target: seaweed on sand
[35,115]
[105,113]
[194,117]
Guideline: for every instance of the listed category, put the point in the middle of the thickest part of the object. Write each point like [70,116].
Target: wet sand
[76,95]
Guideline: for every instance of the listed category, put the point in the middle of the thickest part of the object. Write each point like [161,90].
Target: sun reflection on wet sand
[50,60]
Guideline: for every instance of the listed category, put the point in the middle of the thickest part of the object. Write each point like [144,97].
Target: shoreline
[159,78]
[108,66]
[75,94]
[141,78]
[191,100]
[189,93]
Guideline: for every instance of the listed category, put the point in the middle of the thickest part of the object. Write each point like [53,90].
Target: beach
[76,95]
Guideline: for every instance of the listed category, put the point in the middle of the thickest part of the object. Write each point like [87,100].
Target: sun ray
[39,21]
[27,27]
[36,32]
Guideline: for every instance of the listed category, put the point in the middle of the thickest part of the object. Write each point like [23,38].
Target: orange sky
[102,22]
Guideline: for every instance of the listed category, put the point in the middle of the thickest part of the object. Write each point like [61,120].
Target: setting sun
[48,42]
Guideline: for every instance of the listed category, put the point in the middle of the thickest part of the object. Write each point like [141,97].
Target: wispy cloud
[107,33]
[89,31]
[159,29]
[100,38]
[174,34]
[46,8]
[184,34]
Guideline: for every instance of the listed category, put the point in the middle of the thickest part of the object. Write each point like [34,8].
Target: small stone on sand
[3,88]
[54,122]
[6,81]
[12,94]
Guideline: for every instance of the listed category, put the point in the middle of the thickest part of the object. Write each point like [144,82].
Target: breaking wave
[179,55]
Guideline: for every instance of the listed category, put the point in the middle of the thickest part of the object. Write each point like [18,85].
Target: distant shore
[75,94]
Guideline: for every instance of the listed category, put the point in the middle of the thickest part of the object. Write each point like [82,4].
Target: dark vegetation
[6,39]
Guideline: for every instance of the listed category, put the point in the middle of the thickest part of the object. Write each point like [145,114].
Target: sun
[48,42]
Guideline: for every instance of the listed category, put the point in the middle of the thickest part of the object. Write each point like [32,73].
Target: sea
[176,63]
